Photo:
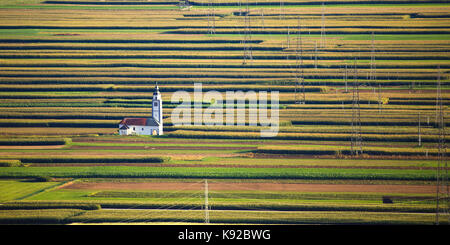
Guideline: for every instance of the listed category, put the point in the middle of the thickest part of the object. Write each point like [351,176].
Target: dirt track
[228,186]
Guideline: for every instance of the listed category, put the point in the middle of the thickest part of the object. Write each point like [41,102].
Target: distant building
[145,126]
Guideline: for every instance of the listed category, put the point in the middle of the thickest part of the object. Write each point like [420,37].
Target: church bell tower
[157,105]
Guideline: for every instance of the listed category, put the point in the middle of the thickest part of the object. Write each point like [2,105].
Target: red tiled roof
[134,121]
[139,122]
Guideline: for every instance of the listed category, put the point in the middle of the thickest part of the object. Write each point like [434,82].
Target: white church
[145,126]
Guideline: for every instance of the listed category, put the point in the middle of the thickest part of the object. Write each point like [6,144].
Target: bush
[10,163]
[43,178]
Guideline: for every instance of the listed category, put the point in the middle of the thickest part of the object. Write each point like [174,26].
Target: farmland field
[70,71]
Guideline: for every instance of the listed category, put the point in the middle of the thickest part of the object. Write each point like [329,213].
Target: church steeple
[156,88]
[157,105]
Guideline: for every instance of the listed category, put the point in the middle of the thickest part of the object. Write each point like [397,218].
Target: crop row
[39,216]
[309,73]
[377,197]
[35,141]
[345,150]
[302,2]
[316,127]
[217,65]
[323,129]
[318,80]
[220,173]
[60,123]
[47,205]
[344,103]
[94,160]
[58,87]
[210,57]
[386,122]
[268,205]
[201,47]
[236,3]
[299,136]
[65,216]
[284,120]
[312,78]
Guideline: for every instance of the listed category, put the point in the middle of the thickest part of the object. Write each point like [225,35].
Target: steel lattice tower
[322,29]
[262,18]
[299,95]
[345,77]
[356,139]
[240,7]
[372,75]
[206,203]
[211,18]
[442,188]
[281,9]
[288,42]
[315,55]
[380,100]
[248,56]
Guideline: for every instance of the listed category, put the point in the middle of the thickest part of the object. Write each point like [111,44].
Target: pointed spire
[156,88]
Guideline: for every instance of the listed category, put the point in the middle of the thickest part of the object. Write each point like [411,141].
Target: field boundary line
[52,187]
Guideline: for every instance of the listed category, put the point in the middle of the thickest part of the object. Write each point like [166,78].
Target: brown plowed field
[228,186]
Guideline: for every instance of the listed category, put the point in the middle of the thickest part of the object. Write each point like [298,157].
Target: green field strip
[46,189]
[233,173]
[17,189]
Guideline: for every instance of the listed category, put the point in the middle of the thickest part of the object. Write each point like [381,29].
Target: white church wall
[141,130]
